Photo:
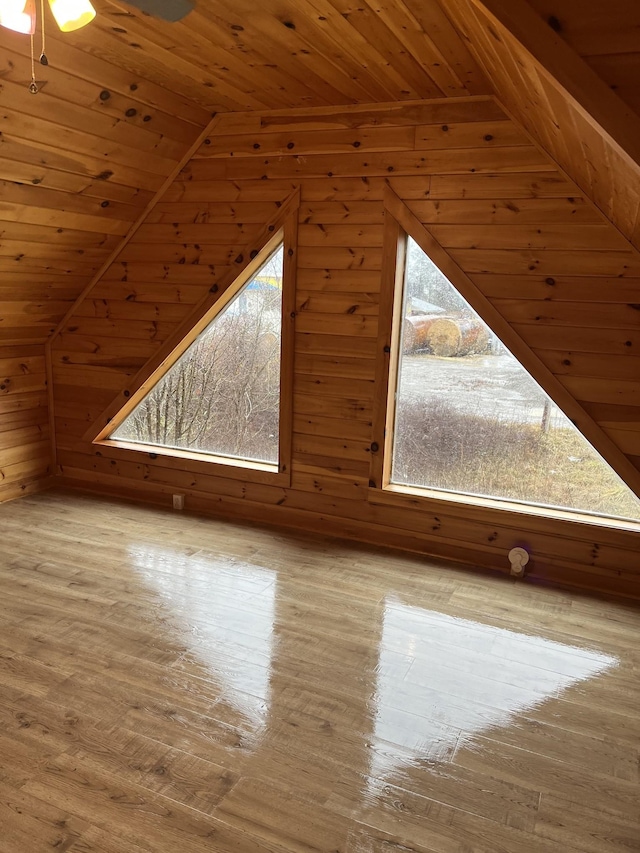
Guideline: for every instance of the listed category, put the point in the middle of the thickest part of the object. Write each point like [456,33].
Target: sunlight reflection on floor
[230,632]
[466,677]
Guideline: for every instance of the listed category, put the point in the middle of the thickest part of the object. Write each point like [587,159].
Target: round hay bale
[475,337]
[448,337]
[415,331]
[444,337]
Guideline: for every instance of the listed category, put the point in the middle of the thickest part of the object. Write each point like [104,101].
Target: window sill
[225,466]
[491,509]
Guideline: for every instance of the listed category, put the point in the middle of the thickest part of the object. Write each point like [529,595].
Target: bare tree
[223,395]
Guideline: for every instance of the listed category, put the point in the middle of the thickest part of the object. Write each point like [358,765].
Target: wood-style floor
[170,683]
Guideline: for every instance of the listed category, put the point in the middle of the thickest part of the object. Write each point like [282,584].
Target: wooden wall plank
[80,163]
[25,458]
[516,158]
[531,243]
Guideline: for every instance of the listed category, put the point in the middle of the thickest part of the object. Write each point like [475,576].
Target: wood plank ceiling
[605,35]
[124,98]
[572,112]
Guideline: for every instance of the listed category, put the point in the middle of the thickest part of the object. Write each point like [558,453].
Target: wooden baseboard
[373,534]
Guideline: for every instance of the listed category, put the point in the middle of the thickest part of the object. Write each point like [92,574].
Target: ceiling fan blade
[168,10]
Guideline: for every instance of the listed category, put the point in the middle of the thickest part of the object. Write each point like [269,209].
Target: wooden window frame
[399,224]
[282,230]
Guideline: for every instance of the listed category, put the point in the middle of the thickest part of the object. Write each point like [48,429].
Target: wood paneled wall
[79,162]
[541,253]
[25,448]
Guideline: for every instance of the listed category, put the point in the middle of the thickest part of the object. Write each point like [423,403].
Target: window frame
[284,230]
[399,224]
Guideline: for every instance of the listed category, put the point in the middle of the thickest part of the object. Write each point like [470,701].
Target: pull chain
[33,86]
[43,55]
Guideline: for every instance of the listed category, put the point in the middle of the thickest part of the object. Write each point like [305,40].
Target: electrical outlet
[178,501]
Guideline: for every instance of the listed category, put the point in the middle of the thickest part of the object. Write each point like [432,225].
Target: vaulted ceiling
[605,34]
[124,100]
[568,108]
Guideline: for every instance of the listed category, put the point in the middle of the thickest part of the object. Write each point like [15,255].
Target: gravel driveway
[494,385]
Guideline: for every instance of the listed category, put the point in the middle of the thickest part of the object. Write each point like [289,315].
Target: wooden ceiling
[79,162]
[124,99]
[571,111]
[239,54]
[606,35]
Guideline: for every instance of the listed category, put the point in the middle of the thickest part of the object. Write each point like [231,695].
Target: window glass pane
[470,419]
[222,396]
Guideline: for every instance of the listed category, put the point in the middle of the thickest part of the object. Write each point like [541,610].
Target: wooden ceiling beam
[561,66]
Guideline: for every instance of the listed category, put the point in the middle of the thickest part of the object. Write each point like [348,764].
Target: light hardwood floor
[171,683]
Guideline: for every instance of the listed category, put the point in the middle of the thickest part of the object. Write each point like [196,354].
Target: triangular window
[470,419]
[222,395]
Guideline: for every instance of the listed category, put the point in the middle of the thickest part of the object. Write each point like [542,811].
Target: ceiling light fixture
[21,17]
